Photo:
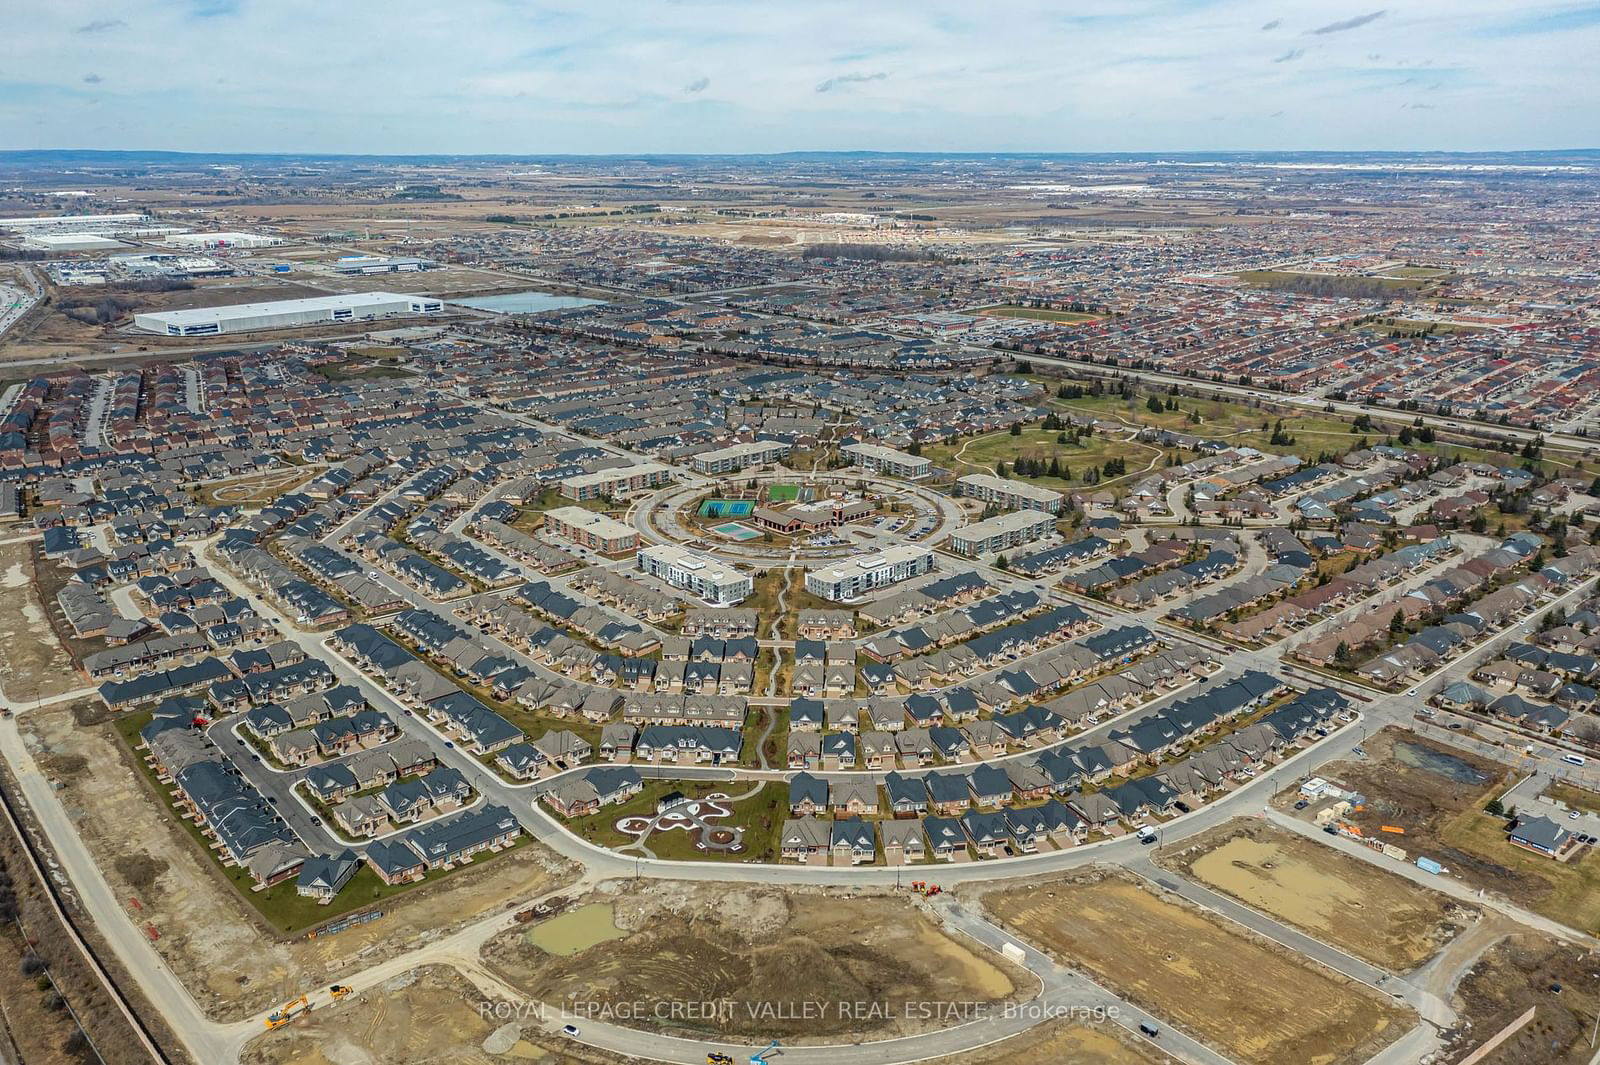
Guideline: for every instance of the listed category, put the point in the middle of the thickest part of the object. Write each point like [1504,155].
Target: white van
[1574,759]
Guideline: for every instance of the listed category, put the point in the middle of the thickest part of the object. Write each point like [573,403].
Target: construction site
[1355,905]
[427,1015]
[1184,963]
[764,953]
[1425,803]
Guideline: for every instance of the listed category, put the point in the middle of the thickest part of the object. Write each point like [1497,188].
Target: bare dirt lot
[1371,913]
[1437,794]
[212,939]
[1519,972]
[1252,1000]
[427,1015]
[765,954]
[33,664]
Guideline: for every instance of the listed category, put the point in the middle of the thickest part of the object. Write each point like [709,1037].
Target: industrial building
[1002,532]
[738,456]
[706,578]
[370,265]
[877,459]
[207,241]
[1004,492]
[856,577]
[79,225]
[595,531]
[64,242]
[85,222]
[285,314]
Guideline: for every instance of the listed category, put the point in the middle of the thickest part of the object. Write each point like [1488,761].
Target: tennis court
[726,508]
[733,530]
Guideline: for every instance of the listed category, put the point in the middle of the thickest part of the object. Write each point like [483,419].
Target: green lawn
[763,598]
[1411,325]
[280,906]
[530,515]
[1575,797]
[1573,893]
[1352,284]
[761,816]
[983,453]
[361,370]
[1038,314]
[1229,420]
[1419,271]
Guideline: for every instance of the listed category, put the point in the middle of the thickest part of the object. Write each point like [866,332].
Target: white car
[570,1031]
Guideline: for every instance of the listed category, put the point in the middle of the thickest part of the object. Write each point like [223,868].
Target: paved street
[1059,989]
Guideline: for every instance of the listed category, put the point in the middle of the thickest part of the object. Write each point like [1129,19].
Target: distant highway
[16,300]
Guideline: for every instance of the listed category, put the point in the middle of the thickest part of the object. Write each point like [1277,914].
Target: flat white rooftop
[600,524]
[1020,489]
[715,570]
[353,301]
[49,221]
[1000,524]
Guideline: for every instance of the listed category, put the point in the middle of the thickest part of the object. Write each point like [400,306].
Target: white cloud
[839,81]
[1349,23]
[610,75]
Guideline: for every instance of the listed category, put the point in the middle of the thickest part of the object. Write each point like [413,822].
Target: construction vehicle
[288,1011]
[714,1058]
[339,991]
[761,1058]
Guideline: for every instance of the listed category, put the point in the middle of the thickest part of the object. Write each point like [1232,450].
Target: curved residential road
[212,1042]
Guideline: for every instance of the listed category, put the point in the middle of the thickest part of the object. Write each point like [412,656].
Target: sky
[606,76]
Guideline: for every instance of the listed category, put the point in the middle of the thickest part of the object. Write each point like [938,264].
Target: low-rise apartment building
[595,531]
[1002,532]
[1007,493]
[874,458]
[615,483]
[854,578]
[738,456]
[702,576]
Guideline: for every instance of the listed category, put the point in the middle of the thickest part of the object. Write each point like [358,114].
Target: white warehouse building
[285,314]
[207,241]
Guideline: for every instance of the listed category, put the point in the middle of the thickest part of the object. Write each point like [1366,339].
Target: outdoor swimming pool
[734,530]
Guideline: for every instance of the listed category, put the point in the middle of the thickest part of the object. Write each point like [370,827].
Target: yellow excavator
[288,1011]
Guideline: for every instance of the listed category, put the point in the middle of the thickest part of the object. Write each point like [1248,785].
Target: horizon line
[952,153]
